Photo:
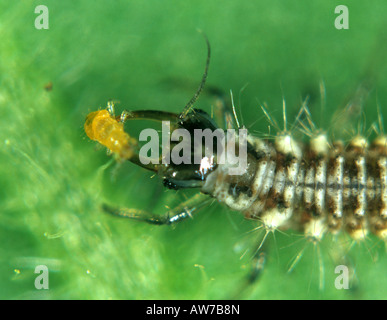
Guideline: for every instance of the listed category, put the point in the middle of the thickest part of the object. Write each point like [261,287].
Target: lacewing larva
[319,187]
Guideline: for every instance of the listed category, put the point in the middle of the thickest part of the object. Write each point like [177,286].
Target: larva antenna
[190,103]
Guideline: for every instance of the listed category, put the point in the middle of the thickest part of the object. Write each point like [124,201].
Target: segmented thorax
[101,126]
[319,187]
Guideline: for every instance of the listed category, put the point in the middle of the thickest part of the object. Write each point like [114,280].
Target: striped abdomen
[318,188]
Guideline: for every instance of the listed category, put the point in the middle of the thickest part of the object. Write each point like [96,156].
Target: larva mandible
[318,187]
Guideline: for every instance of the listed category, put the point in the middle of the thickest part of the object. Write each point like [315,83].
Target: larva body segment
[103,127]
[318,187]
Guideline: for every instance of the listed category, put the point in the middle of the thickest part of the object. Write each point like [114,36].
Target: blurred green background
[149,55]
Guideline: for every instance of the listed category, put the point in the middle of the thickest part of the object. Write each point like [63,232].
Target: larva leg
[183,211]
[124,115]
[110,108]
[258,265]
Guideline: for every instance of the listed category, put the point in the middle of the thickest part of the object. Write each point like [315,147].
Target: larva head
[182,174]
